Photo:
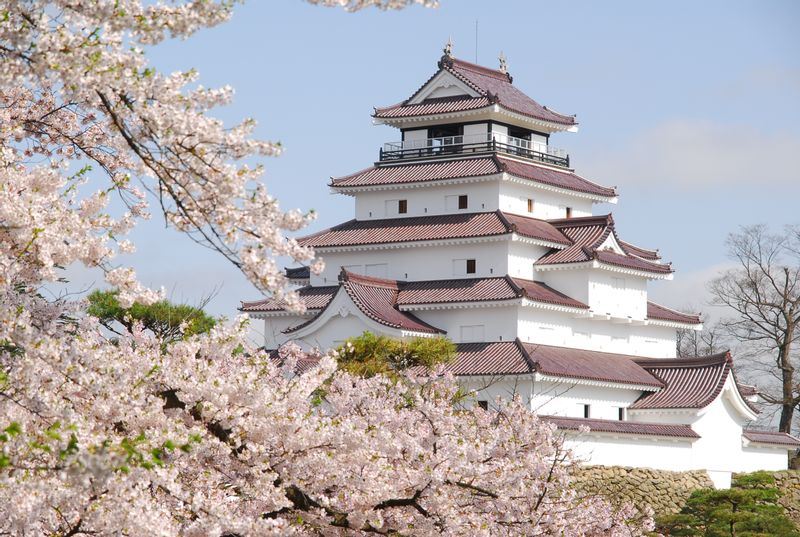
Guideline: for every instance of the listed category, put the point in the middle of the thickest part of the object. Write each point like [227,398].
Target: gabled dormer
[468,108]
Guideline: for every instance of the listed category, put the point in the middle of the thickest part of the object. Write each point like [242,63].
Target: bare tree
[764,292]
[710,340]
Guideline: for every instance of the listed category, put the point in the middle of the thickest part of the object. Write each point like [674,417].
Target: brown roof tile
[662,313]
[515,357]
[298,273]
[313,297]
[469,167]
[771,437]
[481,289]
[492,86]
[589,365]
[587,235]
[622,427]
[437,227]
[690,382]
[377,299]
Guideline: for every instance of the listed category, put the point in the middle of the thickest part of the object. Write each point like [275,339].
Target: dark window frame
[473,265]
[402,206]
[463,201]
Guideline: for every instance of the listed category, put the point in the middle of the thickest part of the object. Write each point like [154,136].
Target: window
[587,411]
[463,201]
[530,205]
[569,212]
[472,333]
[402,206]
[483,404]
[470,266]
[621,413]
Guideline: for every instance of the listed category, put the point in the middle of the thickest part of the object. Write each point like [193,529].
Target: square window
[402,206]
[463,201]
[569,212]
[471,266]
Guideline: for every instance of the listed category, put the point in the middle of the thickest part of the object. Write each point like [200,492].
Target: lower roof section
[622,427]
[775,438]
[515,357]
[423,172]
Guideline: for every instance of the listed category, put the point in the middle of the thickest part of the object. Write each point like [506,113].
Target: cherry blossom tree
[206,435]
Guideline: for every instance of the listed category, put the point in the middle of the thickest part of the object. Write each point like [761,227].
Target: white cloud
[688,154]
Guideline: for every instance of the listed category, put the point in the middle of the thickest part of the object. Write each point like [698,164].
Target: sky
[692,109]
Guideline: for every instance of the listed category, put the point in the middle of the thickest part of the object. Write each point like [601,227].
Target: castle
[473,226]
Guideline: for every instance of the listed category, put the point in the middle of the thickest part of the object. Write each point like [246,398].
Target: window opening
[463,201]
[471,266]
[402,206]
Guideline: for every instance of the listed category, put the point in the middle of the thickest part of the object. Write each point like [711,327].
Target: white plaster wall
[273,326]
[756,457]
[491,389]
[521,258]
[567,399]
[720,427]
[546,205]
[335,331]
[571,282]
[418,263]
[427,201]
[618,294]
[547,327]
[627,450]
[498,323]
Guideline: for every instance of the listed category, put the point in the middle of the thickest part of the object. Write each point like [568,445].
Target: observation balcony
[489,142]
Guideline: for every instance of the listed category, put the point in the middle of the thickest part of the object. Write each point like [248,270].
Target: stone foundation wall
[664,492]
[788,483]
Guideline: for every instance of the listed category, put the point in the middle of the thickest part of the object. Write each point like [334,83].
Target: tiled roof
[481,289]
[437,227]
[492,86]
[690,382]
[771,437]
[493,358]
[301,366]
[662,313]
[442,105]
[298,273]
[587,235]
[589,365]
[313,297]
[469,167]
[515,357]
[377,299]
[622,427]
[638,251]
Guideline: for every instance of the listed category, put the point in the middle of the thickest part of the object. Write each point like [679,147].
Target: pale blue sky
[691,108]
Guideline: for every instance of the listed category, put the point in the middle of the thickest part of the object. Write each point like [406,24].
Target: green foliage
[163,318]
[748,509]
[369,354]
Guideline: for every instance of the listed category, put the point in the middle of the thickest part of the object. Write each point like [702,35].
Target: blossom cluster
[207,435]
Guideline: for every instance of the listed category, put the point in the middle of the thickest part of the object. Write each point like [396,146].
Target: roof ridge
[372,281]
[525,354]
[673,310]
[580,221]
[479,69]
[692,361]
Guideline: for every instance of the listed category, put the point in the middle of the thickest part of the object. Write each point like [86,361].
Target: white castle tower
[475,227]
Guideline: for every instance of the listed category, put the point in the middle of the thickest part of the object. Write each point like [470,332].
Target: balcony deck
[429,148]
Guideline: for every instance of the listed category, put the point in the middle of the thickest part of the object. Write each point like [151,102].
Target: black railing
[492,146]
